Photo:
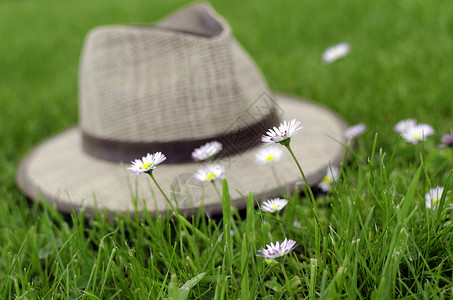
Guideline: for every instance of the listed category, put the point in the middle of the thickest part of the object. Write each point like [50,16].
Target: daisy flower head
[210,173]
[268,155]
[404,125]
[447,140]
[147,164]
[331,177]
[433,196]
[354,131]
[418,133]
[335,52]
[277,250]
[282,134]
[273,205]
[207,151]
[297,224]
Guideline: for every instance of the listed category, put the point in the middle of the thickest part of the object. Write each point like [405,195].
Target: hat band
[234,142]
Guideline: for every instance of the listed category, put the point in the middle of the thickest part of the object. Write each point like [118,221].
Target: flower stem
[313,201]
[280,223]
[303,175]
[165,196]
[288,288]
[274,172]
[216,190]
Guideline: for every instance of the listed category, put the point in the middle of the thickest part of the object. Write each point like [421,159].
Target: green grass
[377,239]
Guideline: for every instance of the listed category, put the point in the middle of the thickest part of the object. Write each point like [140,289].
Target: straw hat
[172,87]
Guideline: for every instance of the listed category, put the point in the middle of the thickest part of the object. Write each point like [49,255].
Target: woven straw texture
[148,83]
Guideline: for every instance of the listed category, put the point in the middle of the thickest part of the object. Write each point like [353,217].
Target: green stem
[216,190]
[312,197]
[313,202]
[280,222]
[165,196]
[287,280]
[274,172]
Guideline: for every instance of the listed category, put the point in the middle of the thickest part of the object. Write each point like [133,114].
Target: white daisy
[297,224]
[268,155]
[281,134]
[210,173]
[418,133]
[335,52]
[404,125]
[447,140]
[332,174]
[273,251]
[207,151]
[147,163]
[354,131]
[433,196]
[273,205]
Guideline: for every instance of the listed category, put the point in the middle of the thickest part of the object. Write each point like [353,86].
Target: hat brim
[59,171]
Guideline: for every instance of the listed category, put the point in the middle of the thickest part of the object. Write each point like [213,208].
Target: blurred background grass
[399,67]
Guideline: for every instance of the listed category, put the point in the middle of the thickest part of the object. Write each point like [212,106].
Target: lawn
[375,237]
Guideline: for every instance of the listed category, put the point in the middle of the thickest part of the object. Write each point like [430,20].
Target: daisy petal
[277,250]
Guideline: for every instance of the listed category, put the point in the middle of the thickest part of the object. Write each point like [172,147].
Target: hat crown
[185,78]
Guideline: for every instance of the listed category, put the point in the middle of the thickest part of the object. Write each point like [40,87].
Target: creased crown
[184,78]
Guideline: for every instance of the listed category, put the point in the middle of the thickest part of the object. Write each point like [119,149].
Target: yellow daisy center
[435,200]
[210,176]
[269,157]
[326,179]
[274,207]
[146,166]
[416,135]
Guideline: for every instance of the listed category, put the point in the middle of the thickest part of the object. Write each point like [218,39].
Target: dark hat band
[234,142]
